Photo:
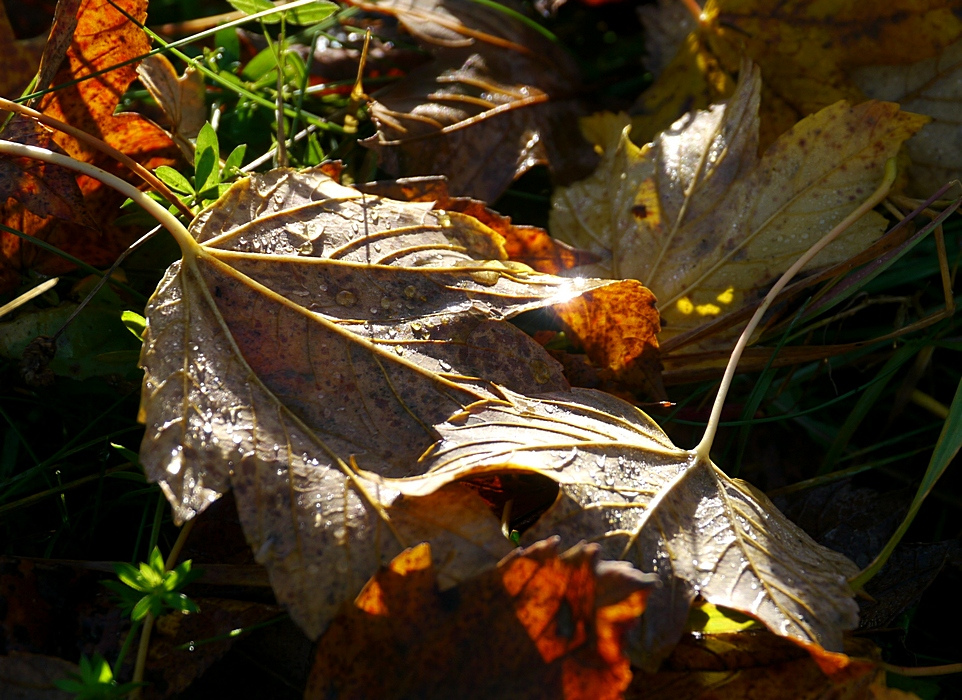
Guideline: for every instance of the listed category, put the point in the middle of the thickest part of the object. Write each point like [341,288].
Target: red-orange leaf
[541,625]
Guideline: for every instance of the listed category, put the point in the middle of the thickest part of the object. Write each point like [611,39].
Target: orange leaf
[104,38]
[542,624]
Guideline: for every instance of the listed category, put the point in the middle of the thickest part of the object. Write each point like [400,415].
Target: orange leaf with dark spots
[103,38]
[540,625]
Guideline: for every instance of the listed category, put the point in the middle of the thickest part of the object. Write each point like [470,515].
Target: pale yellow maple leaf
[704,222]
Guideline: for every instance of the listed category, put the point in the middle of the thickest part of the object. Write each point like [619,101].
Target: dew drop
[410,291]
[386,303]
[345,298]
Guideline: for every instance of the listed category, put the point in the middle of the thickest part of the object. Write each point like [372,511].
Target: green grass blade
[945,450]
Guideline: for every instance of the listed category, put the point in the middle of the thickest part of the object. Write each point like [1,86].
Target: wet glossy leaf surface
[307,348]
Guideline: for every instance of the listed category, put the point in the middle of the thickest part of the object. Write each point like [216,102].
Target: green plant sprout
[152,588]
[95,682]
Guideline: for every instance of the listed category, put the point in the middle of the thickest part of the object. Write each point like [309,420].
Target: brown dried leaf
[496,101]
[934,87]
[181,98]
[541,625]
[664,509]
[20,60]
[43,188]
[756,664]
[807,52]
[705,223]
[305,349]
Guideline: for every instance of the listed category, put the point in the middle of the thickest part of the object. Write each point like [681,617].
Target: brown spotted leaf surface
[543,624]
[103,38]
[498,99]
[666,510]
[305,349]
[705,223]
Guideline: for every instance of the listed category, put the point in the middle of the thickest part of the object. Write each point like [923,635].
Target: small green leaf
[135,323]
[252,7]
[174,179]
[206,159]
[311,14]
[234,161]
[141,609]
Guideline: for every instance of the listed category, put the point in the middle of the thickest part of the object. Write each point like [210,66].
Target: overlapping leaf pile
[340,361]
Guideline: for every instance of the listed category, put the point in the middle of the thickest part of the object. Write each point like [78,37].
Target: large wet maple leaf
[339,361]
[306,347]
[706,223]
[666,510]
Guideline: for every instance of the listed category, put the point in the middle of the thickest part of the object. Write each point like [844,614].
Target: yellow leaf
[806,50]
[705,223]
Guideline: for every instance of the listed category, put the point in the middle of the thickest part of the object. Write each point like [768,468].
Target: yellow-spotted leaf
[705,223]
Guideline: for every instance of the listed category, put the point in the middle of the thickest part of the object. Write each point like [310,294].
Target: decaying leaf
[540,625]
[496,101]
[705,223]
[664,509]
[934,87]
[807,52]
[104,38]
[21,57]
[181,98]
[43,188]
[756,664]
[306,347]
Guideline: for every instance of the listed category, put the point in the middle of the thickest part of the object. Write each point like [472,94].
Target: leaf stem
[703,448]
[104,148]
[164,217]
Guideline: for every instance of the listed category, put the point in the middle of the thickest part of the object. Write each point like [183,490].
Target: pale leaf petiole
[156,210]
[703,448]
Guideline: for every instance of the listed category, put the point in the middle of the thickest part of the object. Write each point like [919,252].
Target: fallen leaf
[758,665]
[933,87]
[220,623]
[43,188]
[497,100]
[807,52]
[305,349]
[181,98]
[104,38]
[21,57]
[705,223]
[66,17]
[32,676]
[540,625]
[626,486]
